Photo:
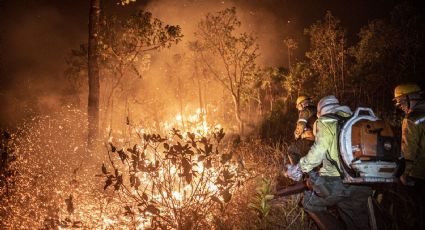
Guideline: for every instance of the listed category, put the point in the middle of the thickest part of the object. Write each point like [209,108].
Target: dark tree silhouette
[93,73]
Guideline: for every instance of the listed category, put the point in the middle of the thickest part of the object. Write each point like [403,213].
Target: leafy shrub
[179,182]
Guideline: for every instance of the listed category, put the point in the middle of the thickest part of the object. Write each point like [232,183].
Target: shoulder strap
[418,113]
[417,117]
[337,117]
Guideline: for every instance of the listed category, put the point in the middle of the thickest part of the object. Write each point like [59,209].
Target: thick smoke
[36,37]
[256,18]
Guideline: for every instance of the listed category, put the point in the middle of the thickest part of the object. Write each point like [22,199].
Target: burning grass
[184,180]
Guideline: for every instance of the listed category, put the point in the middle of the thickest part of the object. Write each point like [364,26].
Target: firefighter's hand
[297,134]
[293,172]
[406,180]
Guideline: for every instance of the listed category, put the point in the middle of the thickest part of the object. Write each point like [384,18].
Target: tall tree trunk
[237,104]
[259,114]
[93,73]
[198,78]
[179,93]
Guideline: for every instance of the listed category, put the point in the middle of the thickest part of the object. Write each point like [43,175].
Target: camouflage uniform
[328,189]
[306,119]
[303,133]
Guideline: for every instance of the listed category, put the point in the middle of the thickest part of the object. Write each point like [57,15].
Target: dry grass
[266,161]
[54,166]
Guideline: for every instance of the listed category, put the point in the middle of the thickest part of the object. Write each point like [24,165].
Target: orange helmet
[304,101]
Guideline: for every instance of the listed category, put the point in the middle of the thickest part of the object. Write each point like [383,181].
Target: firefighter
[306,118]
[303,133]
[328,189]
[410,99]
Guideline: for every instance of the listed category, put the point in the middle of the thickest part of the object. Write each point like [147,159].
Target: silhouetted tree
[327,54]
[291,45]
[125,47]
[93,71]
[388,53]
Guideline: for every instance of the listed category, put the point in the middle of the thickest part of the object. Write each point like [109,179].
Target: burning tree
[229,58]
[181,181]
[125,50]
[125,47]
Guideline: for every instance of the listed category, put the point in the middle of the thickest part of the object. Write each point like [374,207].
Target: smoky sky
[37,35]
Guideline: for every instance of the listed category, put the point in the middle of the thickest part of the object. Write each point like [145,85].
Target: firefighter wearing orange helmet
[303,133]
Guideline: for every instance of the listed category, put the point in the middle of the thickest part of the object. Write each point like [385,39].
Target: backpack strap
[335,164]
[418,113]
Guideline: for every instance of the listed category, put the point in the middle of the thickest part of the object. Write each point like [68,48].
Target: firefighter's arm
[409,143]
[318,150]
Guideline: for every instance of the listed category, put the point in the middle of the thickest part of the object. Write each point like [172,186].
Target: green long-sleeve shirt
[325,142]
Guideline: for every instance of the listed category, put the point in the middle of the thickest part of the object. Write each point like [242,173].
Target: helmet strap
[408,102]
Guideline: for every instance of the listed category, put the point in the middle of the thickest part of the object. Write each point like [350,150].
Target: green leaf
[187,167]
[190,152]
[108,182]
[145,196]
[104,171]
[201,158]
[118,183]
[152,209]
[226,158]
[219,135]
[132,180]
[133,150]
[227,175]
[69,204]
[123,156]
[137,183]
[146,137]
[226,195]
[113,148]
[208,149]
[128,210]
[166,146]
[253,206]
[191,136]
[188,177]
[208,164]
[216,199]
[269,197]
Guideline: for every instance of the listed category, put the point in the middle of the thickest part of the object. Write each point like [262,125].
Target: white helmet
[327,104]
[330,104]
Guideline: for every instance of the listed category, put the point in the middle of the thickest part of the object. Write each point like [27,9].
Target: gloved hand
[406,181]
[293,172]
[297,134]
